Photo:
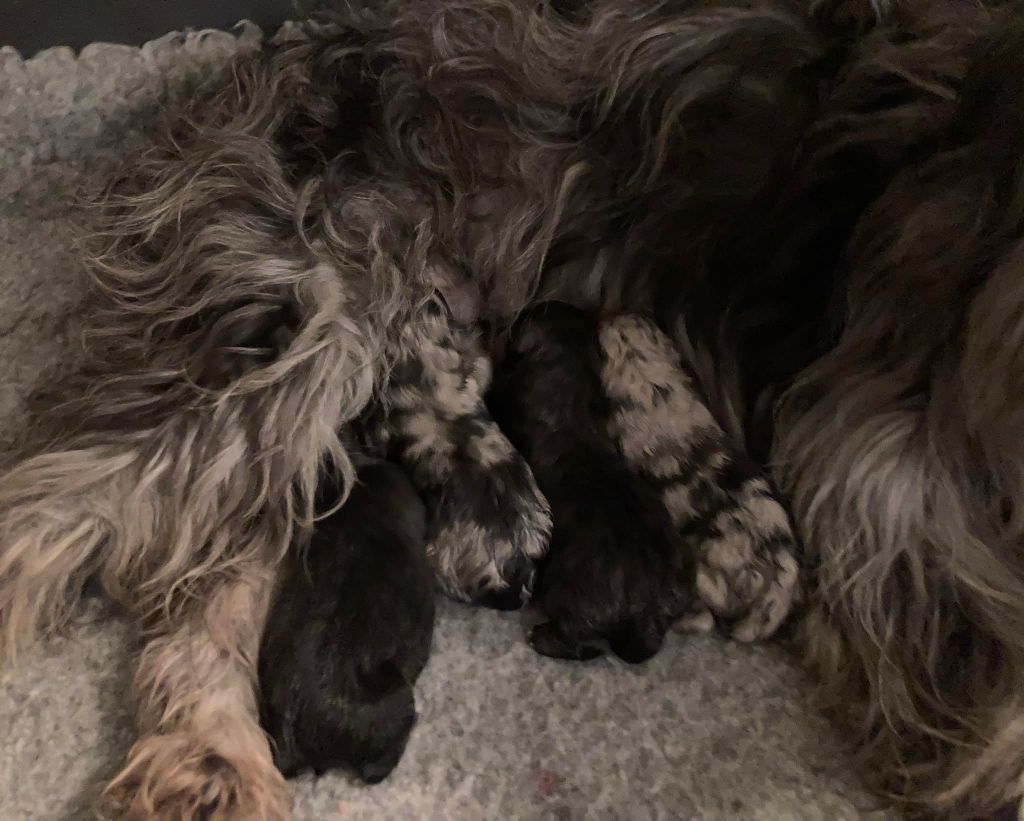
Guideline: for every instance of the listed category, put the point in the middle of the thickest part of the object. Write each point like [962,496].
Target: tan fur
[202,752]
[186,459]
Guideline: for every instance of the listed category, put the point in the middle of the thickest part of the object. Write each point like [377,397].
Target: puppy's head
[382,494]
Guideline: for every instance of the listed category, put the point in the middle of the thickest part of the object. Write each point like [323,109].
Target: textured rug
[706,730]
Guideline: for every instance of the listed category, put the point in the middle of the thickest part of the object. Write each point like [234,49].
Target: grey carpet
[707,730]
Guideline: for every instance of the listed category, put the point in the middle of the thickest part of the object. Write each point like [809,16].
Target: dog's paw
[489,526]
[747,579]
[488,521]
[180,776]
[748,576]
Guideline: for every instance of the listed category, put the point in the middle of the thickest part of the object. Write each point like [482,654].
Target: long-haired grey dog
[792,185]
[902,449]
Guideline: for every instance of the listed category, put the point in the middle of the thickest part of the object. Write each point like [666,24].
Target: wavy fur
[896,447]
[256,266]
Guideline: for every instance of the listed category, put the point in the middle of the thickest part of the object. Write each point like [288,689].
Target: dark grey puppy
[616,570]
[349,633]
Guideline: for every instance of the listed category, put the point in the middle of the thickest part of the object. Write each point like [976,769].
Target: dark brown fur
[618,571]
[349,632]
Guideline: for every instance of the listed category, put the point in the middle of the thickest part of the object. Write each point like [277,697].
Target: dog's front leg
[748,576]
[489,521]
[201,752]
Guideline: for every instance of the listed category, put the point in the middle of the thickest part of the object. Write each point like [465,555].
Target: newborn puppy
[616,570]
[349,632]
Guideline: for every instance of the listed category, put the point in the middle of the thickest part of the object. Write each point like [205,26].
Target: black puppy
[617,570]
[349,633]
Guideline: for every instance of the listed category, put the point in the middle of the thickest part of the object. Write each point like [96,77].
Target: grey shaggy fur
[901,448]
[822,202]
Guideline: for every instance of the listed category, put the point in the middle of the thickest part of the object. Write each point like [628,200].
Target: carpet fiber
[707,730]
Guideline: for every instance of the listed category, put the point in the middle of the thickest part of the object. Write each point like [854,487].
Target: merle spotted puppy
[349,633]
[617,572]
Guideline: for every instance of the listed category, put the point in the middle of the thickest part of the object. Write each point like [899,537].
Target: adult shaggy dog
[825,202]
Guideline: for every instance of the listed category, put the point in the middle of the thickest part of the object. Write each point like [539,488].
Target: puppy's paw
[490,525]
[548,640]
[632,643]
[748,575]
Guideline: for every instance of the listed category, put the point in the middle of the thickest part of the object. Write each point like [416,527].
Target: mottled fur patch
[748,574]
[488,522]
